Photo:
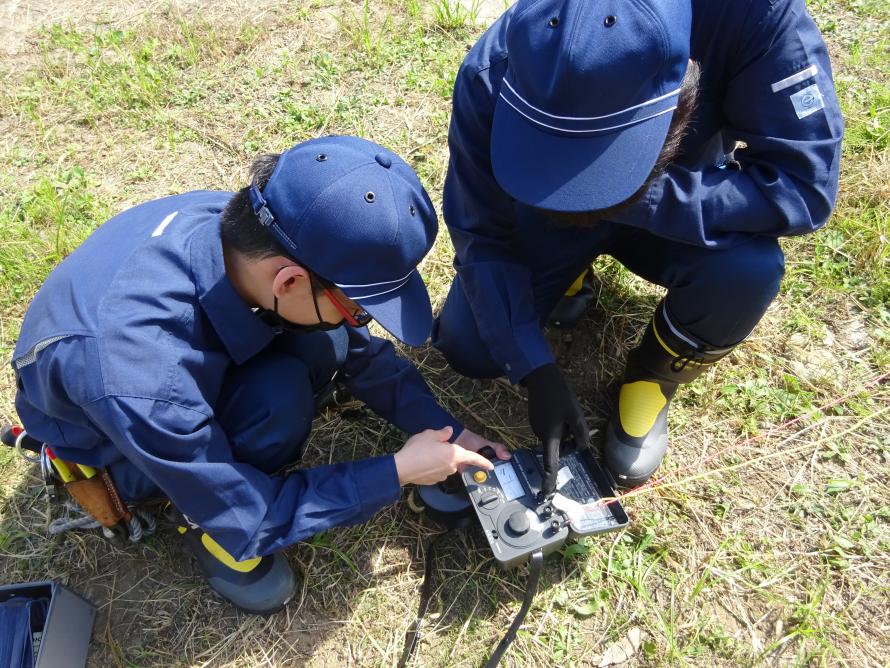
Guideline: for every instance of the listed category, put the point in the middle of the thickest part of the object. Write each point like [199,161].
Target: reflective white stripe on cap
[580,126]
[370,285]
[654,100]
[606,129]
[358,298]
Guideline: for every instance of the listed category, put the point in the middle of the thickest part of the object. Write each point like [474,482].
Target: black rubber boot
[636,437]
[261,586]
[573,305]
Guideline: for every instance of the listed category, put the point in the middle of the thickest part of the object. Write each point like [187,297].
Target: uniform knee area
[456,336]
[468,357]
[270,412]
[291,401]
[723,295]
[751,273]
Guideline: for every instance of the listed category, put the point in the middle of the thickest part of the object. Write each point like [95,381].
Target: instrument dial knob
[518,523]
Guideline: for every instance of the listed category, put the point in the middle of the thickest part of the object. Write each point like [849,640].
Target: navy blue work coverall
[138,355]
[705,232]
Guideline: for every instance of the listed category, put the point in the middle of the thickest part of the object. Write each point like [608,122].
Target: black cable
[535,566]
[412,635]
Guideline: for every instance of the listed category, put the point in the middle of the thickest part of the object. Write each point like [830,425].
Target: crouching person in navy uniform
[182,345]
[681,137]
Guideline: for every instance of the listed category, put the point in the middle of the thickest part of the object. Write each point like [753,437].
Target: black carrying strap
[412,636]
[535,566]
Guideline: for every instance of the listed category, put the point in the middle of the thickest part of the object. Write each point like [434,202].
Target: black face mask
[279,324]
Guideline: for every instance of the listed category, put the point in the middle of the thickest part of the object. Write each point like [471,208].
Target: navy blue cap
[356,214]
[588,97]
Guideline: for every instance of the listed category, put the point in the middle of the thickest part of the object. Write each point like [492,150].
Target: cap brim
[405,313]
[566,173]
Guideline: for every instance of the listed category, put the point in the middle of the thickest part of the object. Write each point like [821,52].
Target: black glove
[554,414]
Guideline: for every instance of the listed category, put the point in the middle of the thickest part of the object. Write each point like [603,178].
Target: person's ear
[288,278]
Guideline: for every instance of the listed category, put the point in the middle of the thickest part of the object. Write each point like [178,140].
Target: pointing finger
[470,458]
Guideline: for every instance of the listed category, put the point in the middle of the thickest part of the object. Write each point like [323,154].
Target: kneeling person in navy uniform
[181,348]
[681,137]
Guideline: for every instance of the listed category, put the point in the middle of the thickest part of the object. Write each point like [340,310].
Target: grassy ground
[763,545]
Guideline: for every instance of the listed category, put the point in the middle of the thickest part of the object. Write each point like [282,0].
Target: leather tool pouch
[98,497]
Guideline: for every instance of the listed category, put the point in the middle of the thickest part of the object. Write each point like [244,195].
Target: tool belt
[92,489]
[98,496]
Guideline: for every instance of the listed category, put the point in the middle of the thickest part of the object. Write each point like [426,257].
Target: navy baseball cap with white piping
[355,214]
[588,97]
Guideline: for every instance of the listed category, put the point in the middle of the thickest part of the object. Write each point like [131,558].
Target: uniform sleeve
[781,103]
[391,386]
[187,454]
[479,216]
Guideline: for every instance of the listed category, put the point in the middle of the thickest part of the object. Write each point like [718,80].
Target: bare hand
[428,458]
[473,441]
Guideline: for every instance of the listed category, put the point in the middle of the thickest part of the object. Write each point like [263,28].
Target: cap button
[384,160]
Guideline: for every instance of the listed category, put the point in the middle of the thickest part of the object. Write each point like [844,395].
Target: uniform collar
[237,325]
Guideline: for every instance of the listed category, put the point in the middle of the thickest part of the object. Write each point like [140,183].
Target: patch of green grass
[370,38]
[453,14]
[864,8]
[124,74]
[808,621]
[867,105]
[435,67]
[39,225]
[760,401]
[852,255]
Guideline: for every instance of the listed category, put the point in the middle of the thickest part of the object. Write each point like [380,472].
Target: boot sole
[629,483]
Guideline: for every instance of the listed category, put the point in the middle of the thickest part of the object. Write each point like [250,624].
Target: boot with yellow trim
[572,306]
[636,437]
[260,586]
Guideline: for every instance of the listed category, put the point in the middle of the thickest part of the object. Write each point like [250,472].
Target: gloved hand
[554,414]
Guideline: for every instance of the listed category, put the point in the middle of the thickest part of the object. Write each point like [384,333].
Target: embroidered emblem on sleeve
[807,101]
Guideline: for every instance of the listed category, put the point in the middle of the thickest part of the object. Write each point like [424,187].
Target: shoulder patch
[807,101]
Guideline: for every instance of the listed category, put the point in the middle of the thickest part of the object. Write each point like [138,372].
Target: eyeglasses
[357,318]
